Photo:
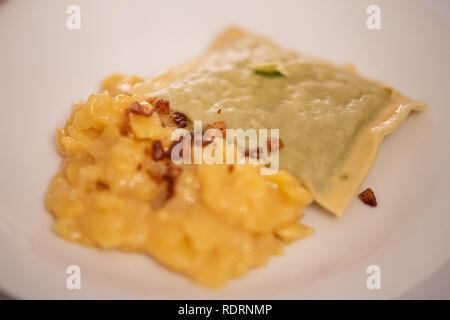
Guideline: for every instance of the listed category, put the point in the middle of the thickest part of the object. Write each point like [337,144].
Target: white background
[35,79]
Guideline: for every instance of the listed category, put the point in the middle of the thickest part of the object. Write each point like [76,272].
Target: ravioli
[331,119]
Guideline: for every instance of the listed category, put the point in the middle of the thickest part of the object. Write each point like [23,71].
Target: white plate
[44,67]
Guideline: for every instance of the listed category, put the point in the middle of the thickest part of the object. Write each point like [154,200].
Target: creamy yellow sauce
[221,221]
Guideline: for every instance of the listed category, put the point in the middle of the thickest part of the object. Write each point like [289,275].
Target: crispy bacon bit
[231,168]
[157,150]
[151,100]
[137,108]
[179,119]
[162,106]
[154,174]
[156,171]
[164,173]
[102,186]
[269,144]
[173,172]
[219,111]
[368,197]
[219,125]
[125,126]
